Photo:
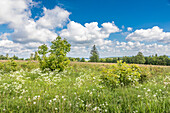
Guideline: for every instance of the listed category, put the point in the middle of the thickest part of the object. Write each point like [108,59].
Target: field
[82,88]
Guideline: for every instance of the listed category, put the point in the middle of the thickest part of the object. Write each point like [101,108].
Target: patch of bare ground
[19,60]
[99,63]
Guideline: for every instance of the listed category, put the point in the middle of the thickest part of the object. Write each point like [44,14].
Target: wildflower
[148,90]
[54,99]
[56,108]
[154,95]
[105,110]
[90,93]
[62,96]
[34,102]
[95,108]
[139,95]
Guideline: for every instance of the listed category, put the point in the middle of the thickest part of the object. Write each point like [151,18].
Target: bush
[10,66]
[57,59]
[121,74]
[1,66]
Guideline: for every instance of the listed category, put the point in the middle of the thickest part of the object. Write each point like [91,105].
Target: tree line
[138,59]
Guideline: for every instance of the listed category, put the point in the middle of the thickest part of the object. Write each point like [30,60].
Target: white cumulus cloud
[90,32]
[150,35]
[56,17]
[129,28]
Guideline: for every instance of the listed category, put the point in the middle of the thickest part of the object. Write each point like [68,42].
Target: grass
[78,89]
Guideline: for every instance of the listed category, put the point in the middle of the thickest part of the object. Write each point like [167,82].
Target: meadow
[84,88]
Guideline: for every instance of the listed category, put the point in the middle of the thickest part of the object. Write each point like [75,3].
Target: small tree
[139,58]
[7,56]
[36,56]
[57,55]
[31,56]
[82,60]
[94,55]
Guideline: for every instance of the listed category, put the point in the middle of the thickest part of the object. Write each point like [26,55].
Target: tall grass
[78,89]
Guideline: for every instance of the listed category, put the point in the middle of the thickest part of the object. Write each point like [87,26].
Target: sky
[116,27]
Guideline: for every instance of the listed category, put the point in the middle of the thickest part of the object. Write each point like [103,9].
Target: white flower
[54,99]
[148,90]
[154,95]
[139,95]
[62,96]
[34,102]
[56,108]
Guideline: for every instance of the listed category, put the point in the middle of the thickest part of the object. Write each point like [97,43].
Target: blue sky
[117,27]
[135,13]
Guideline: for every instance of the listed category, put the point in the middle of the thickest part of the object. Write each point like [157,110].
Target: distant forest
[138,59]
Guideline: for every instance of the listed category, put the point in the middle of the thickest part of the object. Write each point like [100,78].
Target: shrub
[1,66]
[10,66]
[57,55]
[121,74]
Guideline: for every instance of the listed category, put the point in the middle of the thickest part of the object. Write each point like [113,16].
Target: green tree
[43,50]
[57,55]
[7,56]
[139,58]
[15,57]
[31,56]
[82,60]
[36,56]
[94,55]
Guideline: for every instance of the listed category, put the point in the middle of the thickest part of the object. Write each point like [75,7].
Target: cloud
[123,27]
[16,13]
[31,32]
[56,17]
[129,28]
[8,46]
[13,11]
[4,36]
[90,32]
[150,35]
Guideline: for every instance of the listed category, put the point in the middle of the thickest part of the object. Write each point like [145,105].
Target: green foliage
[139,58]
[1,66]
[82,60]
[10,66]
[94,55]
[57,59]
[121,74]
[32,56]
[77,90]
[36,56]
[43,50]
